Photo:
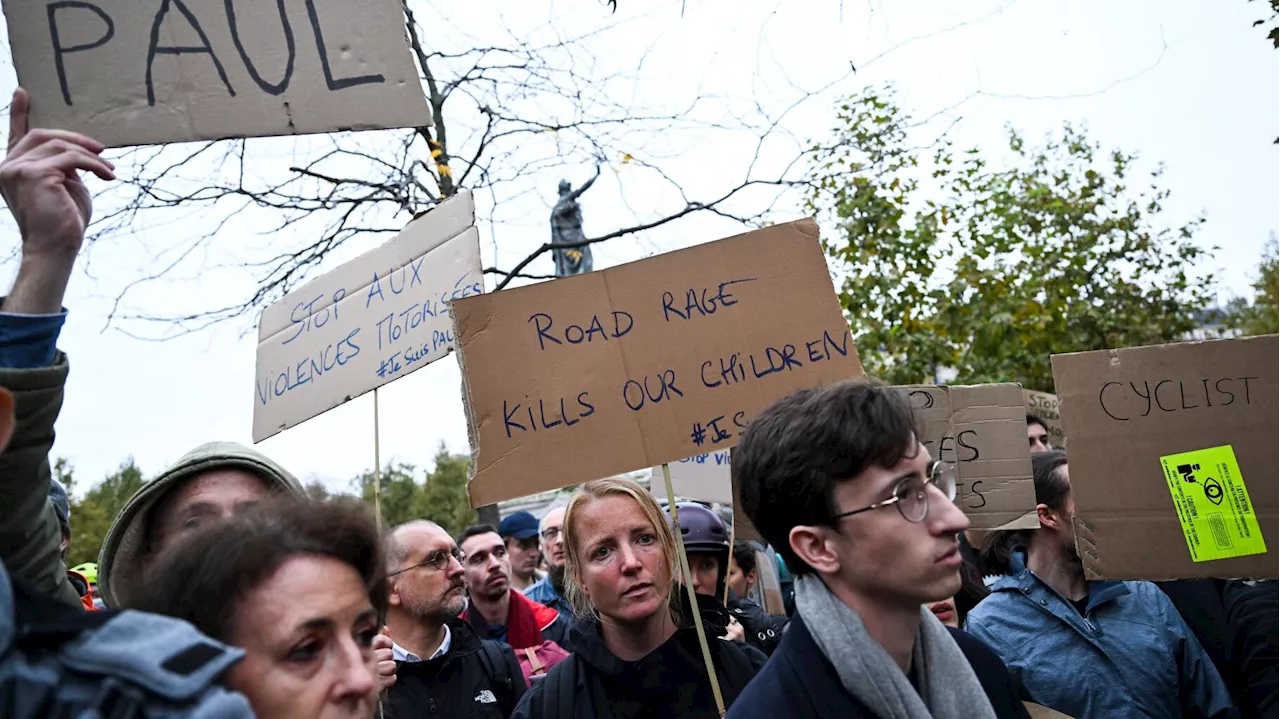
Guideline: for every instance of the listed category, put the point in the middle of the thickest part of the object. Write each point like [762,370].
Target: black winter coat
[761,629]
[670,683]
[458,684]
[799,682]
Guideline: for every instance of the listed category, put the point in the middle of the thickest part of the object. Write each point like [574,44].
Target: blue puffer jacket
[1130,655]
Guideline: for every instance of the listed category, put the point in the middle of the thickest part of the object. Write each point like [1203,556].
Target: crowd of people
[223,591]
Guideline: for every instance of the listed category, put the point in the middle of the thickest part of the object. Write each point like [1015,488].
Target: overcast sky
[1186,83]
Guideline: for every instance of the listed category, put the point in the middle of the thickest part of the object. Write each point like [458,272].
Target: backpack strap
[559,690]
[495,665]
[535,664]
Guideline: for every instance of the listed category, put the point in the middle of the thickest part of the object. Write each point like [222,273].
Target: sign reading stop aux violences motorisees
[134,72]
[367,322]
[645,363]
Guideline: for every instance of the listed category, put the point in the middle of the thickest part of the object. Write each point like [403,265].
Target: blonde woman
[636,652]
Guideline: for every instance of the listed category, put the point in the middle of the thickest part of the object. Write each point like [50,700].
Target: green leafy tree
[950,261]
[440,497]
[444,500]
[1261,316]
[92,515]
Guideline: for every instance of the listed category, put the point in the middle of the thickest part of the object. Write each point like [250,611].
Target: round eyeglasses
[911,496]
[438,561]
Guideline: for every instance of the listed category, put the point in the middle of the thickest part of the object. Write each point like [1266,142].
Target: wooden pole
[688,585]
[377,465]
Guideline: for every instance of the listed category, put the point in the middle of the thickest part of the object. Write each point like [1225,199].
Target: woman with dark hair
[300,587]
[636,652]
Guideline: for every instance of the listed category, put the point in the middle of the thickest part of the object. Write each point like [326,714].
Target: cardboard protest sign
[704,477]
[644,363]
[1173,458]
[1045,406]
[133,72]
[982,429]
[367,322]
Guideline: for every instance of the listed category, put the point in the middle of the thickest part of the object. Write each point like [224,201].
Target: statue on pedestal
[566,227]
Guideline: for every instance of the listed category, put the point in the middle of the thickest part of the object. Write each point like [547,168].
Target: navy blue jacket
[799,682]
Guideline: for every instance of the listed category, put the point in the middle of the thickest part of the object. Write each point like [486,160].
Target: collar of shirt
[401,654]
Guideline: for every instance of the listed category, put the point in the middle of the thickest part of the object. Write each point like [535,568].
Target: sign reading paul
[135,72]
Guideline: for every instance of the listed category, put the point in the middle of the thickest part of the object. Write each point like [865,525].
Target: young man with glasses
[837,480]
[443,667]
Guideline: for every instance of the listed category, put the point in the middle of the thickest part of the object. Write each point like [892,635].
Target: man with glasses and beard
[550,589]
[443,667]
[838,481]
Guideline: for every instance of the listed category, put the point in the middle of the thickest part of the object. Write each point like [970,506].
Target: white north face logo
[486,697]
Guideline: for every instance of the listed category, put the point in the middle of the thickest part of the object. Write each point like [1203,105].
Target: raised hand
[40,181]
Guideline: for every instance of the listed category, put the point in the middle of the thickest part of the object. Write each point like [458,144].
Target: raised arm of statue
[585,186]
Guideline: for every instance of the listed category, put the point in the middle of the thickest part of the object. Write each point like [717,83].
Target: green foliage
[91,516]
[1274,34]
[1261,316]
[952,261]
[441,497]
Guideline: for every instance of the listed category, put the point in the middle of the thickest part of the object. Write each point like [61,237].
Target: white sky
[1186,83]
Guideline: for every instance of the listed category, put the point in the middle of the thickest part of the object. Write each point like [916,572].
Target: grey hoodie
[121,563]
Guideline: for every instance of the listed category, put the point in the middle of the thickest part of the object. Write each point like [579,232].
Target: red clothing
[78,580]
[525,621]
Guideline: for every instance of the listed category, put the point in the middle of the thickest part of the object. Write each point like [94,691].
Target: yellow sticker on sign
[1213,504]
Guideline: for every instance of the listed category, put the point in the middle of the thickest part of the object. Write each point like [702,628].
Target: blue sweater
[1129,655]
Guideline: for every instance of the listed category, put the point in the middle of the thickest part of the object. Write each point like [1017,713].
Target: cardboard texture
[367,322]
[644,363]
[1127,409]
[704,477]
[742,526]
[128,72]
[1045,406]
[982,429]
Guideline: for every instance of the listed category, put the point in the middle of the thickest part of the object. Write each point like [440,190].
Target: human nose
[453,567]
[944,516]
[356,672]
[630,560]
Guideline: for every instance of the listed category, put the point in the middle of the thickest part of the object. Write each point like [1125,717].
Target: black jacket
[761,629]
[1251,614]
[799,682]
[459,684]
[670,683]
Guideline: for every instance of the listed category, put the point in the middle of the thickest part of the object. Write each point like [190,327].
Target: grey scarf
[948,687]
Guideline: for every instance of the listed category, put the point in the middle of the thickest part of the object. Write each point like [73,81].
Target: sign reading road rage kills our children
[367,322]
[136,72]
[1173,458]
[648,362]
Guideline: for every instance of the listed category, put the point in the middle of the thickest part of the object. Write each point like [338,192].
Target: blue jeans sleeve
[29,341]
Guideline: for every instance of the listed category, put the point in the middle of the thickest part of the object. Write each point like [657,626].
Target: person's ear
[811,545]
[393,593]
[1050,519]
[7,418]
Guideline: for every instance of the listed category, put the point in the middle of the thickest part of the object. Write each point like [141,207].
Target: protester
[83,585]
[1087,648]
[497,611]
[297,585]
[764,630]
[836,479]
[51,205]
[1255,634]
[1037,434]
[445,668]
[636,652]
[520,532]
[550,590]
[706,544]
